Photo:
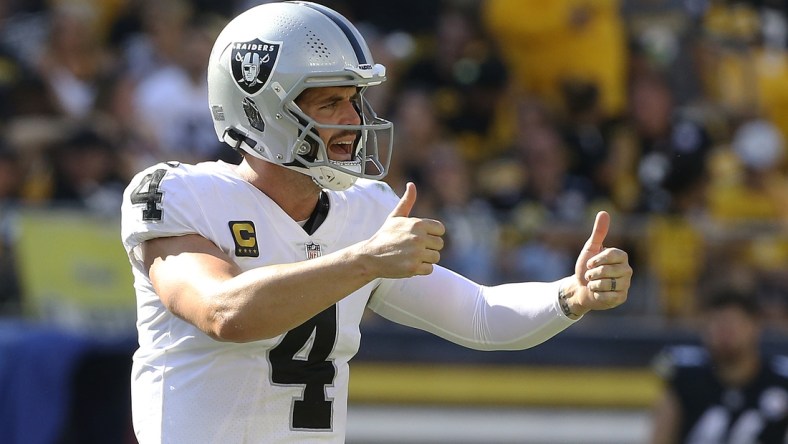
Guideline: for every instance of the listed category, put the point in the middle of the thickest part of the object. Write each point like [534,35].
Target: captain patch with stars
[252,62]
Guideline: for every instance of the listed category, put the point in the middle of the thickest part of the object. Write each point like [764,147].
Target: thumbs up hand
[405,246]
[602,275]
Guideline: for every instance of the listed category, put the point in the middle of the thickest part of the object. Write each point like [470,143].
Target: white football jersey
[190,388]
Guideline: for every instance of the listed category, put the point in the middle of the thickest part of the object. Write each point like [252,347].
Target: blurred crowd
[517,119]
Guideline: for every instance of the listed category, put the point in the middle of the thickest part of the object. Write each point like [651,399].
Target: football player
[251,280]
[726,390]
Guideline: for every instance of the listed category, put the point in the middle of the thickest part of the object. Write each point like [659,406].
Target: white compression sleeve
[503,317]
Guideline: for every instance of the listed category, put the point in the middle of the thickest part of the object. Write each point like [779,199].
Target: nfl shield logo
[313,250]
[252,63]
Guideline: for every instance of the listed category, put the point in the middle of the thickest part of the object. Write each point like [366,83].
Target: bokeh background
[517,119]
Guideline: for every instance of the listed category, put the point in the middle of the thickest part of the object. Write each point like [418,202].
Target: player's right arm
[198,282]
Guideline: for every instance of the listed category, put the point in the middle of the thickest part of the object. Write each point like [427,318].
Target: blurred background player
[726,391]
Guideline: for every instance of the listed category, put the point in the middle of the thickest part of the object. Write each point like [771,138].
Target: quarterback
[251,280]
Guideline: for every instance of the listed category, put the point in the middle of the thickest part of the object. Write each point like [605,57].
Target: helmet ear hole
[310,146]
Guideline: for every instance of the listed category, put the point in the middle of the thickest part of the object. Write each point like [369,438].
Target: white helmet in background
[265,58]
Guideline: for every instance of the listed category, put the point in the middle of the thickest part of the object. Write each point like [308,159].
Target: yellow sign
[70,259]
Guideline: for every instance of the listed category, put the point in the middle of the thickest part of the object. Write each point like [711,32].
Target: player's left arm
[503,317]
[509,316]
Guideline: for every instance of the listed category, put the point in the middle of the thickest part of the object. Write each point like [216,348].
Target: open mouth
[341,150]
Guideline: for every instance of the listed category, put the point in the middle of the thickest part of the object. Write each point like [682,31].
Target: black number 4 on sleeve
[148,193]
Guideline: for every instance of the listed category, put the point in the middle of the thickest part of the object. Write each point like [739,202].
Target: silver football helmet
[265,58]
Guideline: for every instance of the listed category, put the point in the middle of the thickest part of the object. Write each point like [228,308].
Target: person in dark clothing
[727,390]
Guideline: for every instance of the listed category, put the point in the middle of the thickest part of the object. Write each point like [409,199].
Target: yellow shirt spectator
[546,42]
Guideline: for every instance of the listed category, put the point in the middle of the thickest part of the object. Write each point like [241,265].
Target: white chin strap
[334,179]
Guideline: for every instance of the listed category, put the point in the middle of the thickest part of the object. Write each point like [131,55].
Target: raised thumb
[599,232]
[406,202]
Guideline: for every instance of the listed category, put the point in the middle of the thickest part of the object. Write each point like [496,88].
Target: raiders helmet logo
[252,64]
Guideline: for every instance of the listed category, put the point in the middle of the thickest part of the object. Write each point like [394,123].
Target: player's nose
[349,114]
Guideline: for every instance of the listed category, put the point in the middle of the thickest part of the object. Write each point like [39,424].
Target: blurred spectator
[158,41]
[74,59]
[115,114]
[730,33]
[726,390]
[771,62]
[23,28]
[418,131]
[562,196]
[748,184]
[545,182]
[173,101]
[549,43]
[665,35]
[22,90]
[472,248]
[466,79]
[86,173]
[587,133]
[745,59]
[670,148]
